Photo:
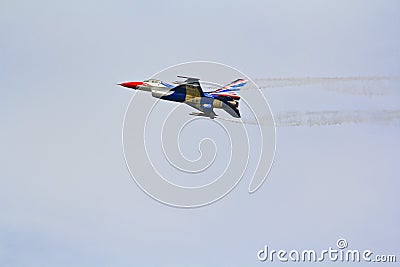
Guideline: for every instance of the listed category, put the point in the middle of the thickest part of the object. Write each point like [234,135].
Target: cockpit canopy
[152,81]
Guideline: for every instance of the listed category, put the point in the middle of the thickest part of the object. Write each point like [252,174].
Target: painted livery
[191,93]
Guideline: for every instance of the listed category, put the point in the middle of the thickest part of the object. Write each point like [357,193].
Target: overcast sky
[66,196]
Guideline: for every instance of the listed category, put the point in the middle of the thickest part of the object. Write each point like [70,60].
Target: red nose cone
[132,85]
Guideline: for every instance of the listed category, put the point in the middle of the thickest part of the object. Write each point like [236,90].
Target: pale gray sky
[66,197]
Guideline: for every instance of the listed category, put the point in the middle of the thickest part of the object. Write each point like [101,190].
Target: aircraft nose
[132,85]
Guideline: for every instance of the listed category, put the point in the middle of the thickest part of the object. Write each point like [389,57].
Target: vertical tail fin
[236,85]
[230,89]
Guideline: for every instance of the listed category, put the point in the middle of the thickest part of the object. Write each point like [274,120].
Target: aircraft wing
[190,87]
[189,79]
[205,112]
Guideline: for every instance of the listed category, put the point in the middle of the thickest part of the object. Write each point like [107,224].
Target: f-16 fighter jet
[191,93]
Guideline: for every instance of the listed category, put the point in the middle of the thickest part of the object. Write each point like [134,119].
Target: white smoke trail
[367,86]
[328,117]
[298,81]
[332,117]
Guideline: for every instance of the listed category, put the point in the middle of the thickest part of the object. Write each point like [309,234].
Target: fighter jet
[191,93]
